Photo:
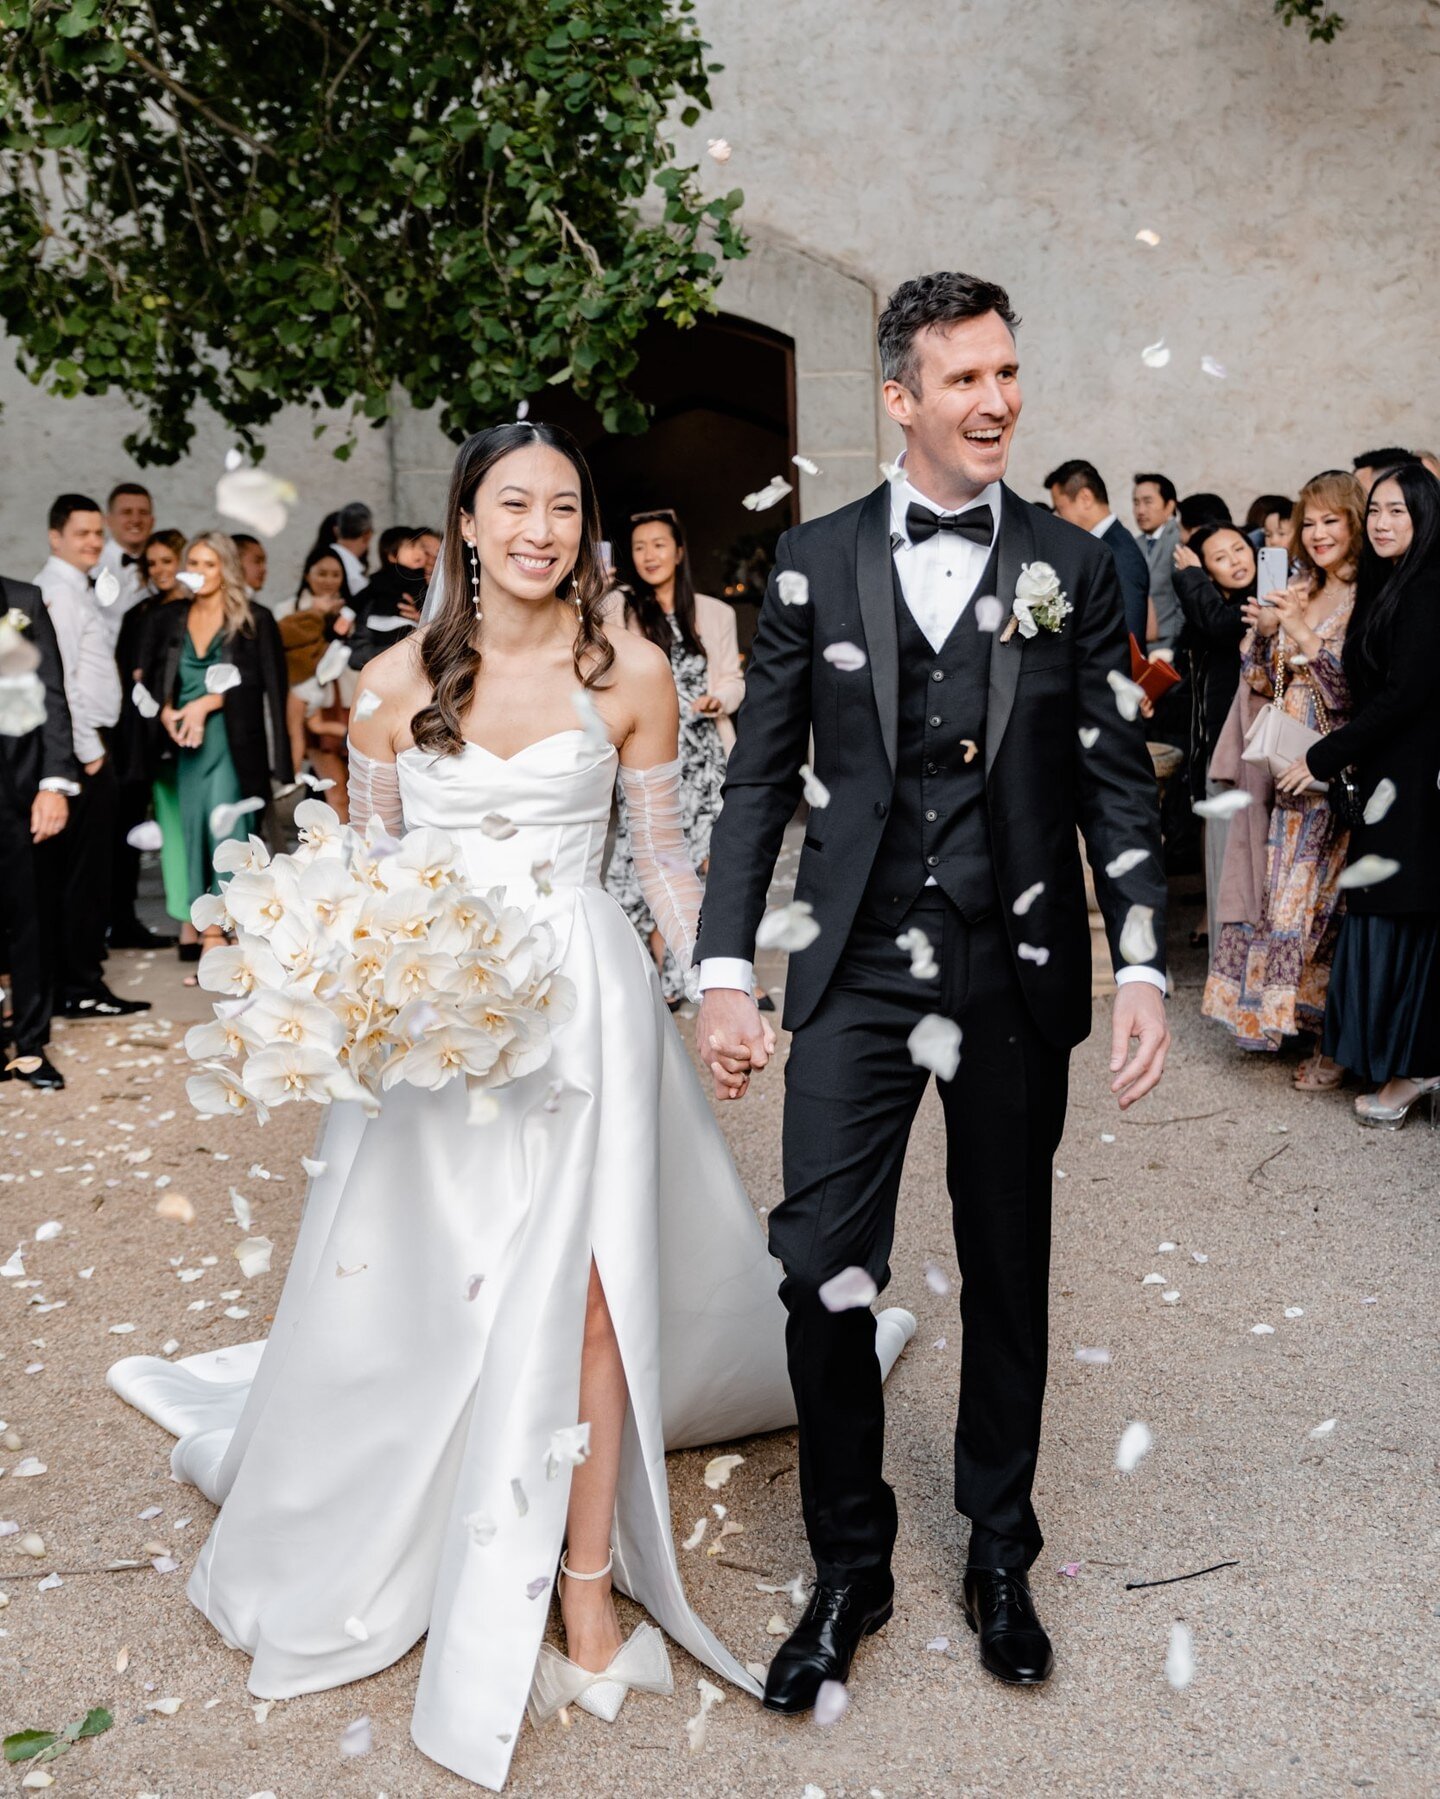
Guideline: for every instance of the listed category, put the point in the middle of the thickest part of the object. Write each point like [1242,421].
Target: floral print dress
[1268,980]
[702,776]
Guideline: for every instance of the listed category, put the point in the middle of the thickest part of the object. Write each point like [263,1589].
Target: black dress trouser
[75,870]
[851,1095]
[23,951]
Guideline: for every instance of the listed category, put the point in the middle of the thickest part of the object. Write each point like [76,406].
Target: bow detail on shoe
[641,1665]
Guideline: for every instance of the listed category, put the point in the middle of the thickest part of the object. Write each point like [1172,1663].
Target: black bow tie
[128,561]
[978,524]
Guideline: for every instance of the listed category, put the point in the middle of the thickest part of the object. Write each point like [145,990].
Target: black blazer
[254,711]
[1395,733]
[49,750]
[1134,573]
[1041,782]
[1212,634]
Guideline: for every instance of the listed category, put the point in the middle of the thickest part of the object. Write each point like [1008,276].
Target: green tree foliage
[252,202]
[1321,25]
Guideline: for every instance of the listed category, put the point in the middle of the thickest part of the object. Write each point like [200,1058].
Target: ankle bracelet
[599,1573]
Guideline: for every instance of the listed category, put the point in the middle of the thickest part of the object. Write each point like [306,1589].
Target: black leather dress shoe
[45,1075]
[102,1003]
[132,934]
[822,1645]
[1013,1643]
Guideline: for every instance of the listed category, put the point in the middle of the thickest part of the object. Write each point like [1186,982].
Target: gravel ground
[1314,1655]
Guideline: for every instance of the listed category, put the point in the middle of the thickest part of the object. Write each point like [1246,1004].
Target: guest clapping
[1383,1015]
[217,668]
[1268,979]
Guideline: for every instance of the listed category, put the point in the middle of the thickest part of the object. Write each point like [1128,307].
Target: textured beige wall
[1028,140]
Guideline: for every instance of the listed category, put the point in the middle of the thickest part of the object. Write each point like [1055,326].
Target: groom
[945,878]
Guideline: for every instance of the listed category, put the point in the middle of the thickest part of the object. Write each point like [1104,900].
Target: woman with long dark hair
[547,1284]
[698,635]
[1382,1018]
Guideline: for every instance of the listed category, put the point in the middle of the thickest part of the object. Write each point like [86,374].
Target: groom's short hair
[927,301]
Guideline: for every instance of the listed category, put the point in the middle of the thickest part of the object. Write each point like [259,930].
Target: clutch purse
[1152,676]
[1275,739]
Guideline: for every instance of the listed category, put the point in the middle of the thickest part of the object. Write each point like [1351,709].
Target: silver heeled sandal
[640,1665]
[1369,1110]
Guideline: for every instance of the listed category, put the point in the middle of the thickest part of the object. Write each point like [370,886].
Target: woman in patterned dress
[1268,980]
[698,635]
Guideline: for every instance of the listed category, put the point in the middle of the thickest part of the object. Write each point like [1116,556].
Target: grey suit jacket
[1159,555]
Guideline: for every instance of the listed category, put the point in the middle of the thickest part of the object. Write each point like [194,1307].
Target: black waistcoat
[937,824]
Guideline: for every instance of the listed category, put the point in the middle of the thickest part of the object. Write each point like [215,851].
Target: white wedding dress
[383,1460]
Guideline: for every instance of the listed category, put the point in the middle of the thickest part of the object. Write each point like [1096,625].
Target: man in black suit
[952,653]
[39,775]
[1081,498]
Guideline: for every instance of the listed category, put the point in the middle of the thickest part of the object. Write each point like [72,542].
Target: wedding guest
[38,777]
[1275,525]
[1369,462]
[354,529]
[1156,507]
[697,633]
[1267,981]
[1198,509]
[254,563]
[1263,506]
[76,866]
[429,539]
[1431,460]
[390,607]
[131,747]
[1081,498]
[129,520]
[218,745]
[1214,576]
[1383,1014]
[321,614]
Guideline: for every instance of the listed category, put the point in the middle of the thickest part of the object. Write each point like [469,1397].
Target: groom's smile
[958,405]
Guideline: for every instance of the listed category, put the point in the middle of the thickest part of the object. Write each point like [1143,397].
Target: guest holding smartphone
[1383,1015]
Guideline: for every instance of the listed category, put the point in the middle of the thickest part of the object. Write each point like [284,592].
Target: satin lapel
[1017,546]
[875,580]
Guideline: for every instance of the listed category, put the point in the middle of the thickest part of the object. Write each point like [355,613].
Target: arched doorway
[722,399]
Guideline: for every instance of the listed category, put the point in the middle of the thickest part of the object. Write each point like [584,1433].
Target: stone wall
[1292,186]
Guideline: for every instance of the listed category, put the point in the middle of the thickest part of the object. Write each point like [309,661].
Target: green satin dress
[192,787]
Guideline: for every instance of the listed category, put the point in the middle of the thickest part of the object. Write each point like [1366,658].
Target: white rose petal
[482,1528]
[1153,1280]
[166,1707]
[917,946]
[1171,1297]
[697,1535]
[1137,936]
[597,738]
[357,1738]
[935,1044]
[365,704]
[1380,802]
[224,818]
[253,1255]
[770,495]
[1027,899]
[147,835]
[1369,871]
[1156,355]
[190,581]
[791,927]
[1262,1330]
[107,587]
[846,1291]
[22,705]
[1210,366]
[1180,1657]
[220,677]
[1127,694]
[28,1467]
[569,1446]
[121,1330]
[496,825]
[355,1627]
[1147,236]
[1093,1358]
[717,149]
[1089,736]
[817,794]
[719,1469]
[144,701]
[792,587]
[1323,1429]
[1223,805]
[804,463]
[1124,862]
[1134,1445]
[1294,1311]
[988,613]
[1039,954]
[255,498]
[710,1695]
[49,1231]
[313,1168]
[847,657]
[831,1702]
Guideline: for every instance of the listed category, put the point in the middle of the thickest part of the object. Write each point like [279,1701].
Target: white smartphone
[1274,571]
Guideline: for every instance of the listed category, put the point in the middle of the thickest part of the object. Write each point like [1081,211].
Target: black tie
[128,561]
[978,524]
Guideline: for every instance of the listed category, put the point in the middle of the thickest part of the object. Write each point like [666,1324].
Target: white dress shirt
[1099,529]
[354,574]
[92,681]
[131,577]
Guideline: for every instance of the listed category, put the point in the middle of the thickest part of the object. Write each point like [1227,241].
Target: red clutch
[1153,678]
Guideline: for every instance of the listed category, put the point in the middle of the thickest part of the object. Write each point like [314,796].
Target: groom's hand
[733,1039]
[1139,1017]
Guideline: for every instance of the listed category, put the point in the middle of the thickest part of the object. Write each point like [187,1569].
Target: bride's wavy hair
[451,643]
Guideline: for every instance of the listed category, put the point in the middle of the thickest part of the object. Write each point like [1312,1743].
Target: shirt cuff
[58,784]
[727,971]
[1136,973]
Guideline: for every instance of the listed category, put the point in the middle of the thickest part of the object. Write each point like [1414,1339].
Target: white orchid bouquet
[362,961]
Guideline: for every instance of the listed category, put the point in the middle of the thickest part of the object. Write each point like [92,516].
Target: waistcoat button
[879,808]
[937,674]
[932,768]
[932,861]
[930,817]
[937,721]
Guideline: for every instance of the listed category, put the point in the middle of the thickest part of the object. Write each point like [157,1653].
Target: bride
[491,1331]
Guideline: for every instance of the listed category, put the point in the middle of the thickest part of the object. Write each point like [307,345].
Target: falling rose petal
[473,1286]
[496,825]
[253,1255]
[989,613]
[806,465]
[144,701]
[1127,694]
[770,495]
[1089,736]
[482,1528]
[938,1645]
[1369,871]
[256,498]
[366,703]
[224,818]
[935,1044]
[49,1231]
[817,794]
[718,150]
[1156,355]
[719,1470]
[164,1564]
[357,1738]
[1222,805]
[793,587]
[1262,1330]
[1124,862]
[831,1702]
[1294,1311]
[791,927]
[917,946]
[1180,1657]
[147,835]
[220,677]
[1147,236]
[936,1279]
[597,738]
[1134,1445]
[849,658]
[14,1269]
[313,1168]
[696,1536]
[569,1446]
[1070,1570]
[1027,899]
[28,1467]
[1323,1429]
[107,587]
[1213,368]
[1030,952]
[543,875]
[1137,936]
[971,749]
[190,581]
[1380,802]
[1093,1358]
[848,1290]
[1171,1297]
[710,1696]
[894,472]
[534,1588]
[517,1495]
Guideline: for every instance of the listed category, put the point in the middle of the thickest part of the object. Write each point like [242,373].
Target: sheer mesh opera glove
[662,860]
[374,793]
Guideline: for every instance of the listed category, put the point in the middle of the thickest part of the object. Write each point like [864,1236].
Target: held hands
[1139,1017]
[733,1039]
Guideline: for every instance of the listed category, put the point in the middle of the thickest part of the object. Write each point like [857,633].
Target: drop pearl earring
[475,582]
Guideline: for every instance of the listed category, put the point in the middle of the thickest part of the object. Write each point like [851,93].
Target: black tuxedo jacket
[1134,573]
[49,750]
[1041,782]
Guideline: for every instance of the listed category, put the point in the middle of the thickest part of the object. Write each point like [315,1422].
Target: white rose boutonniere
[1039,604]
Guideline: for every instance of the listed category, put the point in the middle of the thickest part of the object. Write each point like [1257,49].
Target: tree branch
[166,80]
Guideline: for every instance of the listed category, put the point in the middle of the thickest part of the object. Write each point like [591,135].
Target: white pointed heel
[640,1665]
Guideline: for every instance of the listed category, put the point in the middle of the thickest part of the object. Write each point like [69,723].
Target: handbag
[1275,739]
